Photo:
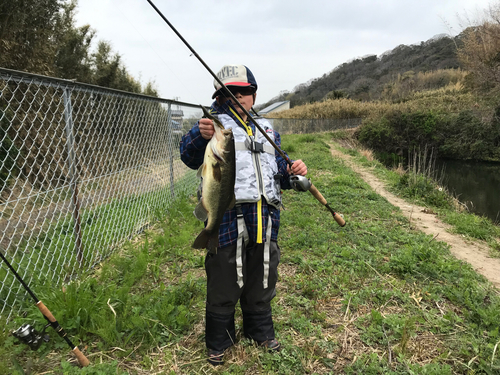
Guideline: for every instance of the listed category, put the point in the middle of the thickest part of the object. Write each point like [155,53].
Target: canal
[476,184]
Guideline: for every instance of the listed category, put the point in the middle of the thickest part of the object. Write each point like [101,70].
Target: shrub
[399,132]
[471,137]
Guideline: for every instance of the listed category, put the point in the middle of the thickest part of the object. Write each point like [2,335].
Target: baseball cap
[234,75]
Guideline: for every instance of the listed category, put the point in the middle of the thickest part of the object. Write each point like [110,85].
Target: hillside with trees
[41,37]
[441,94]
[370,77]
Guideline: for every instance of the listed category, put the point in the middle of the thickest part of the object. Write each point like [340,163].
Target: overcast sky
[284,43]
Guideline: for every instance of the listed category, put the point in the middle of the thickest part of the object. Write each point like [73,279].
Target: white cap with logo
[234,75]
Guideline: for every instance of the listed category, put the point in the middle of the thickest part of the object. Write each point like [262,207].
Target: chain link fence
[82,170]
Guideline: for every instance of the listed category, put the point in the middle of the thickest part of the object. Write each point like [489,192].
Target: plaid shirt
[192,149]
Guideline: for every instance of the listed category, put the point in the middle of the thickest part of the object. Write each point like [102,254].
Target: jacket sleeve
[282,164]
[192,148]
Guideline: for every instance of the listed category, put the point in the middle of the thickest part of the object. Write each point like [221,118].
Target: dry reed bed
[447,99]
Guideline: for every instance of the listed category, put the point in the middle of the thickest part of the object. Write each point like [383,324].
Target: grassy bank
[454,121]
[372,297]
[420,182]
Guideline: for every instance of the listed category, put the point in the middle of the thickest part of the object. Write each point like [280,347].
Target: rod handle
[315,192]
[338,218]
[82,360]
[45,311]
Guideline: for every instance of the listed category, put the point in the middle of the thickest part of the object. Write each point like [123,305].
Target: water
[476,184]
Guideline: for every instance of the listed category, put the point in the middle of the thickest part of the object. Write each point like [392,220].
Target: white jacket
[256,171]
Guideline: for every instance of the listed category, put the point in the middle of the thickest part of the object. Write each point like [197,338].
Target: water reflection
[476,182]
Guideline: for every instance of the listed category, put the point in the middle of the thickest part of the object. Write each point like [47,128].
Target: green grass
[49,255]
[424,191]
[374,297]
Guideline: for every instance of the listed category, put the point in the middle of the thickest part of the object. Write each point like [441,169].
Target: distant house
[177,115]
[275,107]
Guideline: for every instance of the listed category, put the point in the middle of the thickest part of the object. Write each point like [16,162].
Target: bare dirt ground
[475,253]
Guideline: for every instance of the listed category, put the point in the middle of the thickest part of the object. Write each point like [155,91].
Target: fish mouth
[218,158]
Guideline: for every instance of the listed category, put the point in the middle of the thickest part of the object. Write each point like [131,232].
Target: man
[245,265]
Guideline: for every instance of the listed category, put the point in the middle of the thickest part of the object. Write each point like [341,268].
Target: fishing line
[311,188]
[175,75]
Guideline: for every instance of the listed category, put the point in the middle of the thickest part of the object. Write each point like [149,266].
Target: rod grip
[315,192]
[339,219]
[82,360]
[45,311]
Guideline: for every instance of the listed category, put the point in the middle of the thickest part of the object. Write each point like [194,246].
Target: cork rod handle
[82,360]
[315,192]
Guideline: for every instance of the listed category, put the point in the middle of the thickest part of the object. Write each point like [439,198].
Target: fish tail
[207,240]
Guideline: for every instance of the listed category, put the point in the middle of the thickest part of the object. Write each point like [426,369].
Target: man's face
[246,102]
[245,95]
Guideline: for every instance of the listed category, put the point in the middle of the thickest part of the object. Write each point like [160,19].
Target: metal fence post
[77,229]
[43,211]
[170,137]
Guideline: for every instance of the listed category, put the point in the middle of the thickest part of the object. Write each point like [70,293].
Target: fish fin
[199,174]
[232,203]
[201,241]
[206,114]
[200,211]
[207,240]
[218,153]
[213,243]
[216,172]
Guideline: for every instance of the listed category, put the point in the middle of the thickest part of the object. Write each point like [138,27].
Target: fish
[218,174]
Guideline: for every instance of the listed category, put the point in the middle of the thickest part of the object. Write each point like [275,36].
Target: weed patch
[373,297]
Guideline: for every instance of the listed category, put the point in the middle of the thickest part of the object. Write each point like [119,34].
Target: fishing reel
[300,183]
[28,335]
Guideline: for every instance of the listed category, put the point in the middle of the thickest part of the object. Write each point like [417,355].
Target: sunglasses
[248,90]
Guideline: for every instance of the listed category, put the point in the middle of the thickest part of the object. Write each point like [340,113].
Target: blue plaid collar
[225,109]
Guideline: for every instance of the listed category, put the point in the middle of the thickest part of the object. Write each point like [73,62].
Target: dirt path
[474,253]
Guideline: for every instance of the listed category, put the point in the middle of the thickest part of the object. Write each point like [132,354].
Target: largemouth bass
[218,173]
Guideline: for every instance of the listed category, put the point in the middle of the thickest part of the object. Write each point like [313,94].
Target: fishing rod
[27,334]
[299,183]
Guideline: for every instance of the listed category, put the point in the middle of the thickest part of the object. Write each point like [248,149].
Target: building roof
[272,107]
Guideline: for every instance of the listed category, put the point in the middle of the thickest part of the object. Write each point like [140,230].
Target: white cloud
[284,43]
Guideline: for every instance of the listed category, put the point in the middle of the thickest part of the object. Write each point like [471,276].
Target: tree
[108,70]
[480,52]
[41,36]
[26,31]
[72,59]
[105,65]
[150,89]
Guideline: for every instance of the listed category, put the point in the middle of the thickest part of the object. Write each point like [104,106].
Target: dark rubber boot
[220,334]
[258,326]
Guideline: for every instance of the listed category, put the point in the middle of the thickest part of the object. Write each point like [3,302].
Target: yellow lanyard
[248,128]
[259,203]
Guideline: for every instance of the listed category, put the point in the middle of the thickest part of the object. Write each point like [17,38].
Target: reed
[447,99]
